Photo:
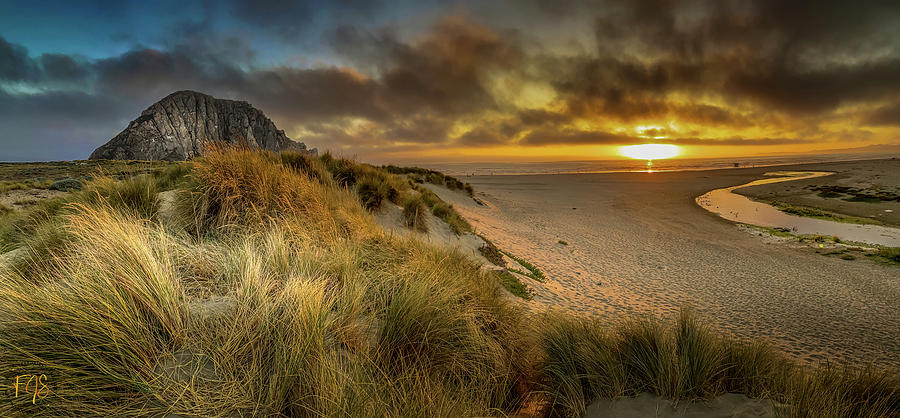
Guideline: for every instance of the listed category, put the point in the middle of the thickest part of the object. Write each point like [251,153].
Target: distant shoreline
[624,166]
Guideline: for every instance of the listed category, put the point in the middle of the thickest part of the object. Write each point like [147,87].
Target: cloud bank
[356,77]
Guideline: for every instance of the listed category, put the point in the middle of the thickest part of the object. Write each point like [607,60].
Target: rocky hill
[184,123]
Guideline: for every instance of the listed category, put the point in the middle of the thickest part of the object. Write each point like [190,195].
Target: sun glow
[649,151]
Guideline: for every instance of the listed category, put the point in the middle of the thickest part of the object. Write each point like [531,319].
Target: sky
[440,80]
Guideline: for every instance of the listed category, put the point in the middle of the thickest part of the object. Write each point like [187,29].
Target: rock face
[183,124]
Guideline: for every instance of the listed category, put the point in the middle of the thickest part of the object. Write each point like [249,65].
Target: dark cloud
[482,137]
[15,65]
[885,115]
[709,115]
[63,67]
[286,17]
[689,67]
[774,53]
[292,19]
[821,90]
[445,72]
[575,137]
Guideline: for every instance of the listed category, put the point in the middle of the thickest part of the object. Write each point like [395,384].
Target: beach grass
[6,186]
[515,286]
[267,290]
[421,175]
[887,255]
[589,359]
[415,214]
[490,252]
[532,270]
[280,297]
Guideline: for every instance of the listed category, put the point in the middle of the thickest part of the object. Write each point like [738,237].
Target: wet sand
[639,244]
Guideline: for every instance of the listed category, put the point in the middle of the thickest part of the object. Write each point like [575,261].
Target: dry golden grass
[271,291]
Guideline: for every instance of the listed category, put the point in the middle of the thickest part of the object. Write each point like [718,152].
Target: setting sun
[649,151]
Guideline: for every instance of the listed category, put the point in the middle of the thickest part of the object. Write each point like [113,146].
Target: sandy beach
[639,244]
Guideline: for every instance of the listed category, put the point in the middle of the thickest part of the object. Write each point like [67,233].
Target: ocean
[614,166]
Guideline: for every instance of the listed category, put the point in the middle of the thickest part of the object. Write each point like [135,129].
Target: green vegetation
[887,255]
[491,252]
[415,214]
[135,194]
[821,214]
[66,185]
[420,175]
[307,165]
[533,272]
[588,359]
[172,176]
[449,215]
[58,170]
[561,242]
[443,211]
[268,291]
[375,185]
[6,186]
[856,194]
[372,191]
[17,227]
[514,285]
[866,199]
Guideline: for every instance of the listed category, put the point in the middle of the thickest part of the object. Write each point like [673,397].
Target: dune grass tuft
[588,359]
[415,215]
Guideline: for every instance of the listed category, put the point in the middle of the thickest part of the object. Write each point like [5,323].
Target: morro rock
[183,124]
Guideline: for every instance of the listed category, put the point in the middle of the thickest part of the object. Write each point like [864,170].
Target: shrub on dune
[169,177]
[344,171]
[372,190]
[308,165]
[233,187]
[415,215]
[134,195]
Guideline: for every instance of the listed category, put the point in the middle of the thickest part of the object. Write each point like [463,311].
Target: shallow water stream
[738,208]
